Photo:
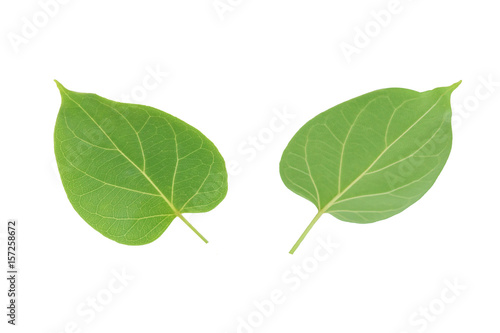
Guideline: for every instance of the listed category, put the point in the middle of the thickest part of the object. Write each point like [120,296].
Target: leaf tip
[455,85]
[60,86]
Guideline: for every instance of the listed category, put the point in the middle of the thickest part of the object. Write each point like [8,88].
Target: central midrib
[339,195]
[176,212]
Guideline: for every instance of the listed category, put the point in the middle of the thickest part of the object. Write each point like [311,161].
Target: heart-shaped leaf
[371,157]
[130,169]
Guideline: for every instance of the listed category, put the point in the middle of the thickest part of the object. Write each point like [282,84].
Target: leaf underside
[371,157]
[129,170]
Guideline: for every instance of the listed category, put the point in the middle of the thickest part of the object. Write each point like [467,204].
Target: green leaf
[371,157]
[130,169]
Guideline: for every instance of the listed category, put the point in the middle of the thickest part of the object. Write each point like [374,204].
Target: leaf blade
[351,151]
[120,162]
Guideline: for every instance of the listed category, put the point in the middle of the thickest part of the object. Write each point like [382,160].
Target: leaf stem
[192,228]
[304,234]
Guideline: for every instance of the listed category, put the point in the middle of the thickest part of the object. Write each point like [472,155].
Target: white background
[228,74]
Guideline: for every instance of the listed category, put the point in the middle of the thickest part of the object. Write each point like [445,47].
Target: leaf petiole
[192,228]
[304,234]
